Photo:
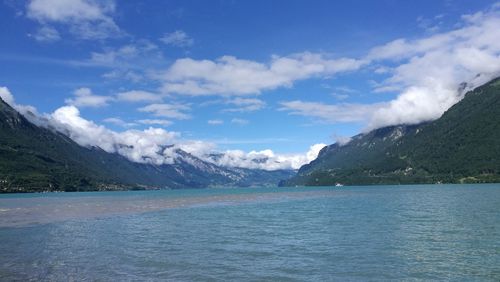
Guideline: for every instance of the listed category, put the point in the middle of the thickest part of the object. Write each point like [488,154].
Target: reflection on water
[320,234]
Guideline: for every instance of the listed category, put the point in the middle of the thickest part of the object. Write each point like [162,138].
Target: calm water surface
[433,232]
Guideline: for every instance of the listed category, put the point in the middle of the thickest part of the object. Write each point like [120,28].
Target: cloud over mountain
[428,73]
[153,145]
[432,69]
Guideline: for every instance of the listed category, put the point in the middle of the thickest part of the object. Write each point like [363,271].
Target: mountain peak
[9,116]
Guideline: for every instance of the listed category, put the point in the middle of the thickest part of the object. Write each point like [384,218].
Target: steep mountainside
[37,159]
[461,146]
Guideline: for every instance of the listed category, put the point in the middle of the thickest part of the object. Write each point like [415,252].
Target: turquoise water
[426,232]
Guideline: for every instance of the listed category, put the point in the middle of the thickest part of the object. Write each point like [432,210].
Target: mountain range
[35,158]
[462,146]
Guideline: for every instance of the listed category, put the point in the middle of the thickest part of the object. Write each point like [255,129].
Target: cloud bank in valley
[154,145]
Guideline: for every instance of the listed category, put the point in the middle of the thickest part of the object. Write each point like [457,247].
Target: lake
[421,232]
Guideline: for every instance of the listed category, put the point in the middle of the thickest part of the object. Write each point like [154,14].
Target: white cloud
[382,70]
[148,146]
[175,111]
[86,19]
[215,122]
[132,55]
[177,38]
[245,104]
[139,146]
[340,92]
[427,73]
[431,69]
[430,25]
[343,140]
[229,76]
[138,96]
[338,113]
[345,89]
[387,88]
[86,133]
[85,98]
[400,49]
[7,96]
[198,148]
[66,10]
[46,34]
[313,152]
[340,97]
[239,121]
[119,122]
[131,62]
[124,74]
[267,159]
[162,122]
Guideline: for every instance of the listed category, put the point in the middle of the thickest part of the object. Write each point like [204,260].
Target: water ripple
[321,234]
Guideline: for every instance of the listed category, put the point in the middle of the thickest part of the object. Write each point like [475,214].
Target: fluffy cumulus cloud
[86,19]
[267,159]
[435,72]
[83,97]
[228,75]
[144,146]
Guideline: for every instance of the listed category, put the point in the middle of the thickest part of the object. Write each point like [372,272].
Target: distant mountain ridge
[460,147]
[34,158]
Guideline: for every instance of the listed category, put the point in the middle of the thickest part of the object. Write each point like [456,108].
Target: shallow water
[425,232]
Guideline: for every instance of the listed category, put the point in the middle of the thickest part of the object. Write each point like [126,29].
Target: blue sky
[245,75]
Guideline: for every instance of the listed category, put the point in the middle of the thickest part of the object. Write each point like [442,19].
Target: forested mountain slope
[463,145]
